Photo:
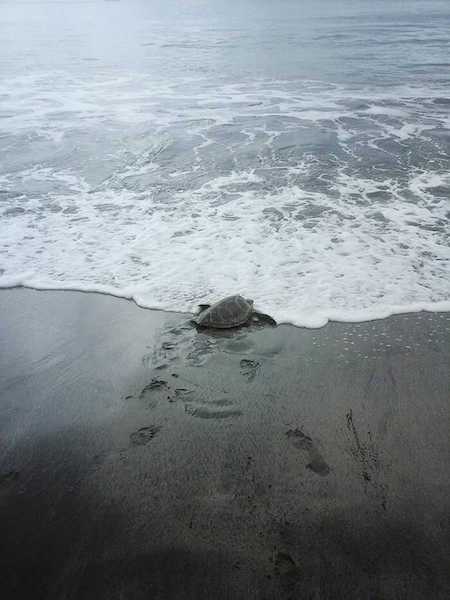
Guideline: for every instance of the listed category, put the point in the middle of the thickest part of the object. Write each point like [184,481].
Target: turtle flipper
[265,319]
[203,307]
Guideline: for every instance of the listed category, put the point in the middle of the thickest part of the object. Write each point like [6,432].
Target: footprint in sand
[7,479]
[284,564]
[217,409]
[287,572]
[183,392]
[155,384]
[303,442]
[179,394]
[249,368]
[144,435]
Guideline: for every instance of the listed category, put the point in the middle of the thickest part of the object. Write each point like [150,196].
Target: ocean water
[296,152]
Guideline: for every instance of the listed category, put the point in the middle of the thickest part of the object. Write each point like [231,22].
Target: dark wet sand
[141,460]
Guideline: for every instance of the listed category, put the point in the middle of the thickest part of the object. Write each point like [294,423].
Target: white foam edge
[309,321]
[376,313]
[27,280]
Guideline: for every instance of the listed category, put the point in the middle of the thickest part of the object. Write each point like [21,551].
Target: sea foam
[318,201]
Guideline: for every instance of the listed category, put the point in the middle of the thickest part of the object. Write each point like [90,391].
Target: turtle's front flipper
[203,307]
[265,318]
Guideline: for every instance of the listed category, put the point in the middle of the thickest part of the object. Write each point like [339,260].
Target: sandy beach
[142,459]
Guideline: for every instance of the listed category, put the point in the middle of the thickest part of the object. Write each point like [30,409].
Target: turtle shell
[229,312]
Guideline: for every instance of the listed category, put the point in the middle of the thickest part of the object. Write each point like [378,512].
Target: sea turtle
[232,311]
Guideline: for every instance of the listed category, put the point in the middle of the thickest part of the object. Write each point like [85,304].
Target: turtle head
[249,301]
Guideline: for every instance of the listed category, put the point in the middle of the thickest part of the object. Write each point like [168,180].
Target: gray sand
[141,459]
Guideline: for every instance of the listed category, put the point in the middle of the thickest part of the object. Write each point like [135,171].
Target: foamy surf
[318,201]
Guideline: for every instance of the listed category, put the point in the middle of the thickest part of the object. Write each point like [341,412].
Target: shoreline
[317,322]
[140,458]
